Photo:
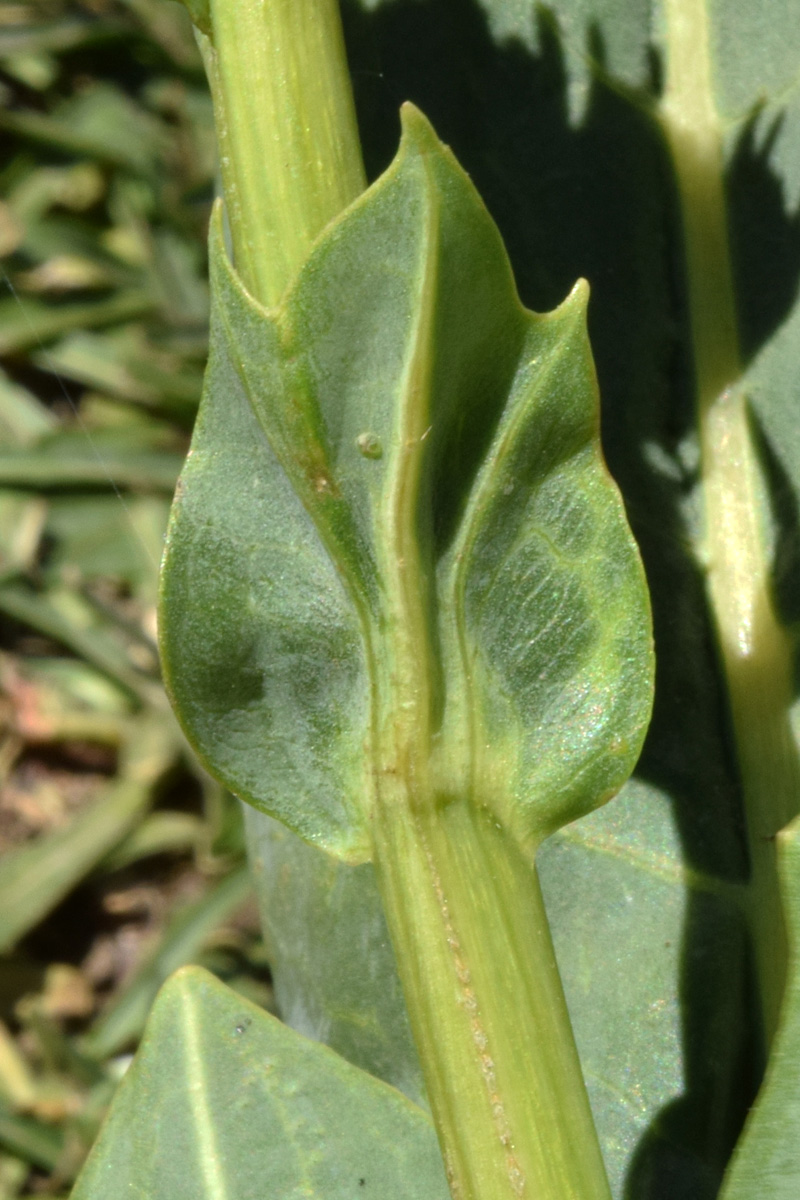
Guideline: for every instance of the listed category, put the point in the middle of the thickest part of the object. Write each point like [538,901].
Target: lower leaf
[767,1158]
[223,1102]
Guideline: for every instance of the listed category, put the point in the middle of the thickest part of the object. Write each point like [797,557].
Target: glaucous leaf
[767,1158]
[223,1102]
[330,954]
[400,410]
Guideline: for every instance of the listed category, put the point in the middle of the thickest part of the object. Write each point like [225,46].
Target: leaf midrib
[674,874]
[195,1058]
[408,641]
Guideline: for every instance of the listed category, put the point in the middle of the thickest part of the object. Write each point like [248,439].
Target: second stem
[755,650]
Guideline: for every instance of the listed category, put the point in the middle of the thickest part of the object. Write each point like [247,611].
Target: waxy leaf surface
[395,489]
[767,1158]
[224,1102]
[330,953]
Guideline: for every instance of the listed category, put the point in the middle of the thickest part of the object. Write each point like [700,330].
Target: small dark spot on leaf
[242,1026]
[361,1182]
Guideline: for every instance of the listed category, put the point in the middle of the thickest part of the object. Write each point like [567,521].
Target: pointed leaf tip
[223,1100]
[416,130]
[200,12]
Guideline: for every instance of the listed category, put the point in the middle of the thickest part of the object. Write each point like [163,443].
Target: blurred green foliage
[119,859]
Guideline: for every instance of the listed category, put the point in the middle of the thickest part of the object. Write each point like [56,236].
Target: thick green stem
[289,150]
[486,1004]
[462,902]
[755,649]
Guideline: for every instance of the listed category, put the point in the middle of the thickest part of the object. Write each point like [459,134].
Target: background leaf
[227,1103]
[35,877]
[766,1159]
[330,952]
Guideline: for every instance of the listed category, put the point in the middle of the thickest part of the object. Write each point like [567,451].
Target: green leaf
[330,955]
[224,1102]
[36,34]
[30,1140]
[22,517]
[135,459]
[767,1158]
[404,436]
[160,833]
[101,122]
[23,418]
[29,325]
[102,537]
[63,614]
[122,364]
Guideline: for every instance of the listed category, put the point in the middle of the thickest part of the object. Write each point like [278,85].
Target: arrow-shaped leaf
[395,534]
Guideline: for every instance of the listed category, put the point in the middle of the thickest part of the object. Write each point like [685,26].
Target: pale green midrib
[755,650]
[672,873]
[408,641]
[197,1088]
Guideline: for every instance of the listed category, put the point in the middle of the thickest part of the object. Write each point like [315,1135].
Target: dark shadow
[596,199]
[786,523]
[765,238]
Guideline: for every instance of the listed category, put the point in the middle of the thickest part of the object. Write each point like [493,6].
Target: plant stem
[486,1004]
[755,650]
[462,901]
[288,142]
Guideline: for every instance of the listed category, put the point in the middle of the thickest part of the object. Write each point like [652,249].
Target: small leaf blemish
[369,444]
